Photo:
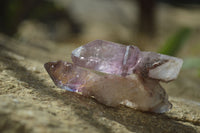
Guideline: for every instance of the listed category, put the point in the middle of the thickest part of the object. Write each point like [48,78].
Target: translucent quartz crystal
[108,57]
[117,74]
[111,90]
[159,66]
[113,58]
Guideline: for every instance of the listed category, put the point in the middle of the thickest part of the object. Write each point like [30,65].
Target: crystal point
[158,66]
[116,74]
[110,89]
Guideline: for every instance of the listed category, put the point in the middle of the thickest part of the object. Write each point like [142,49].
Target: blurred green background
[167,26]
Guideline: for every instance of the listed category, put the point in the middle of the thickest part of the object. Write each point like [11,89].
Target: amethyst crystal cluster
[116,74]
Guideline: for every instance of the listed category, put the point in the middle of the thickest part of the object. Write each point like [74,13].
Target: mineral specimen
[116,74]
[107,57]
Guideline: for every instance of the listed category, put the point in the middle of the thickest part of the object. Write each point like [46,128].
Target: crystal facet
[116,74]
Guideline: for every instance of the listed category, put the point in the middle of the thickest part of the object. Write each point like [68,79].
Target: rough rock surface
[29,102]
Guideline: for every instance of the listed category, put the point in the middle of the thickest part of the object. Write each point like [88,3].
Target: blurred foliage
[13,12]
[192,63]
[175,42]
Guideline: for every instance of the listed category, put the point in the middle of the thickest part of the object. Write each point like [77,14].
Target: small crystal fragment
[117,74]
[159,66]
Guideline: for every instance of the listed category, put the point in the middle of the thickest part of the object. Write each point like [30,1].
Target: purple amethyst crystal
[107,57]
[116,74]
